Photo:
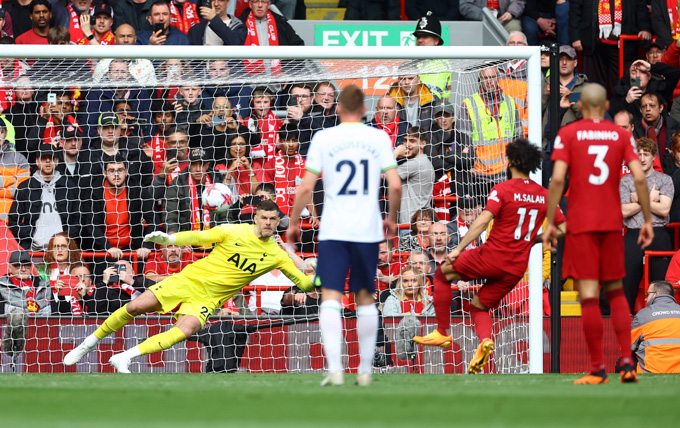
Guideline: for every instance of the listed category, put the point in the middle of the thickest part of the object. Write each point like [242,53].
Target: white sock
[90,341]
[132,352]
[330,323]
[367,330]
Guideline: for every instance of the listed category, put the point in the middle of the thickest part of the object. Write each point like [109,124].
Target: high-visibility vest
[11,133]
[438,83]
[489,135]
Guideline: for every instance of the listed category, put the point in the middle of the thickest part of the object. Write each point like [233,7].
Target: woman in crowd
[421,221]
[408,296]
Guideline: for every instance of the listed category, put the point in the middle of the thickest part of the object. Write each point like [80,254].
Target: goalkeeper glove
[160,238]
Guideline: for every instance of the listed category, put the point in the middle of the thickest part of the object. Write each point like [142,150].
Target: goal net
[103,145]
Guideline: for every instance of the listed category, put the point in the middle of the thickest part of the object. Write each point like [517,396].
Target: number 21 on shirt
[349,188]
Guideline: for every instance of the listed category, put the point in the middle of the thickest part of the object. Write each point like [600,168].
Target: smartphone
[115,279]
[635,82]
[574,97]
[93,21]
[52,98]
[170,154]
[206,3]
[218,120]
[158,27]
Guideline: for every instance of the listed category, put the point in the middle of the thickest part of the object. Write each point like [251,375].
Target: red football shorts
[594,255]
[471,265]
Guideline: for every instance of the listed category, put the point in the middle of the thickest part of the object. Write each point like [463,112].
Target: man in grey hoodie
[45,204]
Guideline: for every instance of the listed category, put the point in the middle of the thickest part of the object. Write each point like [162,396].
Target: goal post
[359,64]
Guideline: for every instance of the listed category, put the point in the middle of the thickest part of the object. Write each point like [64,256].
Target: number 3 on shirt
[600,152]
[352,171]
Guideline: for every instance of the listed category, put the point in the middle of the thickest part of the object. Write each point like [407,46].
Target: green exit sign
[368,35]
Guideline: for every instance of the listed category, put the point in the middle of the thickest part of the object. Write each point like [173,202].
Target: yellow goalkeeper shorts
[185,295]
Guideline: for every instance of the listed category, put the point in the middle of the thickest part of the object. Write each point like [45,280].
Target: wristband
[90,37]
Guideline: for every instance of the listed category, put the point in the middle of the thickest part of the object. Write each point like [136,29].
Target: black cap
[656,43]
[197,155]
[103,8]
[429,25]
[108,119]
[20,257]
[70,130]
[46,149]
[2,11]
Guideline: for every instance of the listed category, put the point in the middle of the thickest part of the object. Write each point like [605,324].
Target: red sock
[592,330]
[481,321]
[442,301]
[620,314]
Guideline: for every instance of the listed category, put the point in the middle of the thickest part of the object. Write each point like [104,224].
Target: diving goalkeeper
[243,253]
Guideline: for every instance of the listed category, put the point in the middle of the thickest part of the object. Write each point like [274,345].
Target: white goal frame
[530,53]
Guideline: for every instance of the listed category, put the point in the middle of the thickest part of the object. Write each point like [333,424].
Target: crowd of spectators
[95,168]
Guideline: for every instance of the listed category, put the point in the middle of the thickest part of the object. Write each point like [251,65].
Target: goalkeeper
[243,253]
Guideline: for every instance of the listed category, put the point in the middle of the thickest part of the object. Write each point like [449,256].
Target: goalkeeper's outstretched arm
[201,237]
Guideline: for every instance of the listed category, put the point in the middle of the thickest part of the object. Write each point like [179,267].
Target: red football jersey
[519,208]
[594,151]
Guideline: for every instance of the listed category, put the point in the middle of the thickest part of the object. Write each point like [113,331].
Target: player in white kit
[352,158]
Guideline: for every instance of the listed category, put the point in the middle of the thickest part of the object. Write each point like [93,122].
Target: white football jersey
[350,158]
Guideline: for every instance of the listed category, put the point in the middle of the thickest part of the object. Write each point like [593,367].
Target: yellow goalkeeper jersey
[238,258]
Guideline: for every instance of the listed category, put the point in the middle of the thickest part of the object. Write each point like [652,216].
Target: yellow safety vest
[439,83]
[11,134]
[489,135]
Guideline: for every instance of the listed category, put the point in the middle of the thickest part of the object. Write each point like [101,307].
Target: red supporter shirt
[594,151]
[30,38]
[117,227]
[519,207]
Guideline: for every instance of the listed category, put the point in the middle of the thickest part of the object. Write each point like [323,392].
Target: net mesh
[123,133]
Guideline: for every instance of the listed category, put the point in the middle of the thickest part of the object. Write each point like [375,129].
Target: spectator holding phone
[217,27]
[119,285]
[218,129]
[643,78]
[96,28]
[75,298]
[189,106]
[571,85]
[161,33]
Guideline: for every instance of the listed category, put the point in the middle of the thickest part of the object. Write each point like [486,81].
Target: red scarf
[493,4]
[672,6]
[181,166]
[196,207]
[268,128]
[256,66]
[287,179]
[52,133]
[185,20]
[442,188]
[408,306]
[27,287]
[604,18]
[74,25]
[107,39]
[158,147]
[392,129]
[126,288]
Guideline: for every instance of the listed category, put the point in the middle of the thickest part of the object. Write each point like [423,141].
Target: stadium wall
[294,349]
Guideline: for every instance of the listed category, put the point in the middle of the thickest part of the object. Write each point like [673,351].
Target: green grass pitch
[294,400]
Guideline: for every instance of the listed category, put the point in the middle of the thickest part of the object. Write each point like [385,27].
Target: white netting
[167,108]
